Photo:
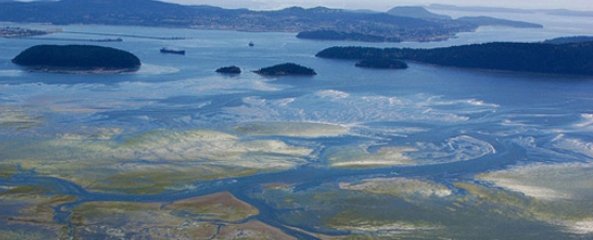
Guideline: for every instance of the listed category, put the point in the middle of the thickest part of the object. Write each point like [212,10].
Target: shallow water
[177,130]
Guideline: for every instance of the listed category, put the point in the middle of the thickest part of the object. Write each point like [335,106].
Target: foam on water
[460,148]
[575,145]
[292,129]
[580,227]
[586,122]
[526,142]
[437,100]
[220,84]
[10,73]
[151,69]
[334,94]
[343,108]
[565,181]
[79,100]
[400,187]
[390,230]
[385,132]
[456,149]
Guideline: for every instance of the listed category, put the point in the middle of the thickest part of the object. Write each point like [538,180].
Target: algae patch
[215,216]
[555,193]
[568,216]
[569,181]
[416,208]
[104,220]
[253,230]
[292,129]
[402,187]
[454,149]
[27,212]
[374,155]
[37,203]
[16,118]
[7,171]
[155,161]
[220,206]
[358,157]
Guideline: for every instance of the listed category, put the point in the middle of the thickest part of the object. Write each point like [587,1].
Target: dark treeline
[576,58]
[573,39]
[382,63]
[286,69]
[77,57]
[344,36]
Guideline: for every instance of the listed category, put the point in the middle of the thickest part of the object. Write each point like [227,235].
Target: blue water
[494,115]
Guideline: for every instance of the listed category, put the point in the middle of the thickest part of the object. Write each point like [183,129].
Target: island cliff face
[572,59]
[77,58]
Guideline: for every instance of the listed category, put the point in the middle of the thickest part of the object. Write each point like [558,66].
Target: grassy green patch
[7,170]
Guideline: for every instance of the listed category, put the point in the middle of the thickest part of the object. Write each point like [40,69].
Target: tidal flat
[153,162]
[358,157]
[28,213]
[388,208]
[293,129]
[557,193]
[16,118]
[401,187]
[215,216]
[176,151]
[6,170]
[546,182]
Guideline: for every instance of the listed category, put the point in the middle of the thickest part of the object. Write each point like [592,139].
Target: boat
[172,51]
[251,44]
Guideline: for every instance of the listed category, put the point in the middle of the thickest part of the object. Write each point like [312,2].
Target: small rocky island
[229,70]
[382,63]
[286,69]
[77,58]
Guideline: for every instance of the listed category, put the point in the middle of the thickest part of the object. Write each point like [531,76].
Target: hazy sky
[386,4]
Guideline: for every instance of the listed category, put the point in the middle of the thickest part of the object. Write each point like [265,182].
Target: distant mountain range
[474,9]
[417,12]
[571,39]
[423,13]
[490,21]
[412,24]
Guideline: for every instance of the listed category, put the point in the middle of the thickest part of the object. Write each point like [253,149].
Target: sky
[387,4]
